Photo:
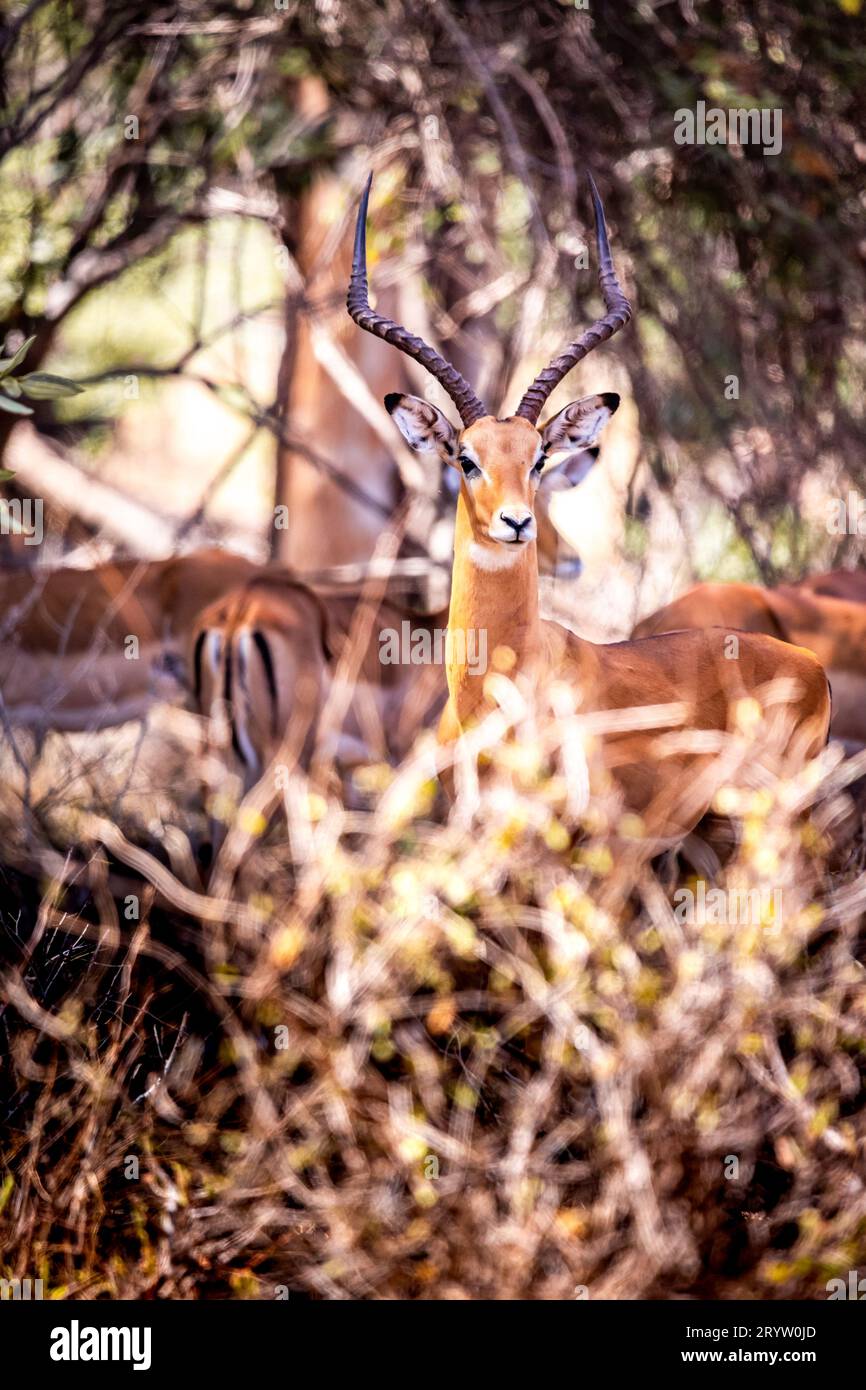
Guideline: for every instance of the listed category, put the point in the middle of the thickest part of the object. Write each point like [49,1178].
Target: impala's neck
[494,603]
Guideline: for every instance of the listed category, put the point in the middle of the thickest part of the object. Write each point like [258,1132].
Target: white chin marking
[500,558]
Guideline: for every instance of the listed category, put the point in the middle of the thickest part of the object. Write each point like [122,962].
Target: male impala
[833,628]
[495,575]
[263,655]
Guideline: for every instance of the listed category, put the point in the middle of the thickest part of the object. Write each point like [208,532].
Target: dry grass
[408,1053]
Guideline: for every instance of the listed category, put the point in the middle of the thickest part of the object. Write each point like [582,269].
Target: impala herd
[259,650]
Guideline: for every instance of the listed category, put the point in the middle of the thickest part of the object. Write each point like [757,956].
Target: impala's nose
[518,519]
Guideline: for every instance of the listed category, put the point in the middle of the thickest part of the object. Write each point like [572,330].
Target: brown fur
[671,793]
[834,629]
[847,584]
[63,657]
[305,635]
[260,655]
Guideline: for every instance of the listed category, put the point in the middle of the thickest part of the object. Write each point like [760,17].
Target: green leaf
[6,474]
[42,386]
[8,364]
[14,407]
[11,387]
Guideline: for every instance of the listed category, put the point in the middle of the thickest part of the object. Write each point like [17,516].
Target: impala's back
[834,629]
[847,584]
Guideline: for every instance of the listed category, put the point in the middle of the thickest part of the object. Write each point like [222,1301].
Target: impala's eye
[470,469]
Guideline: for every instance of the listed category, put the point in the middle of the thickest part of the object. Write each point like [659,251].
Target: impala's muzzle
[513,526]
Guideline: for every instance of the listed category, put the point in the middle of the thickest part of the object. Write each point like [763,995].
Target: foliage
[37,386]
[399,1053]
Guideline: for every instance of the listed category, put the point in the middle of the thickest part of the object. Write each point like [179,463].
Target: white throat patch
[499,559]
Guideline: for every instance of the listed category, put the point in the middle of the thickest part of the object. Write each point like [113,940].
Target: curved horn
[357,302]
[618,314]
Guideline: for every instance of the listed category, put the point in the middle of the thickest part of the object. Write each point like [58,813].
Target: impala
[263,655]
[66,661]
[83,650]
[847,584]
[495,576]
[264,659]
[86,649]
[833,628]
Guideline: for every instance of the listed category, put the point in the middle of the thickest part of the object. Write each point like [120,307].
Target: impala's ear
[579,424]
[561,477]
[424,427]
